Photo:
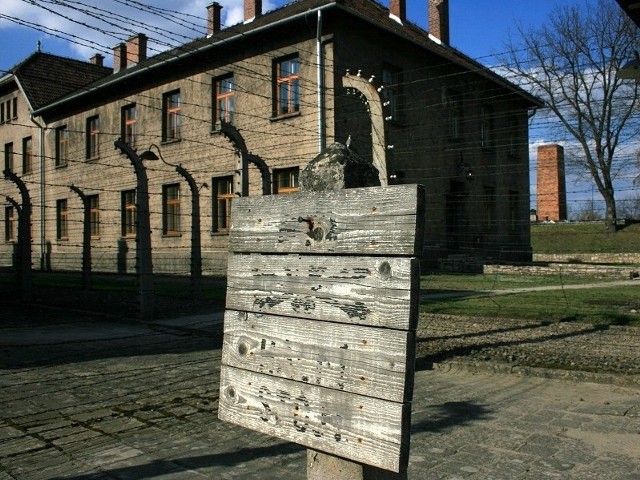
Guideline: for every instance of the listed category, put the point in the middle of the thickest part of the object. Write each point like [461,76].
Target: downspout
[42,196]
[320,72]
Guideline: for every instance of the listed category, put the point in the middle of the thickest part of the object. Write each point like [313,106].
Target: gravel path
[585,351]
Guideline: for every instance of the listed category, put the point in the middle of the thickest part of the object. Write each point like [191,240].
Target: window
[486,127]
[171,209]
[94,214]
[8,156]
[287,86]
[129,213]
[62,146]
[222,196]
[392,83]
[514,135]
[27,155]
[15,108]
[2,119]
[286,180]
[93,133]
[9,224]
[172,117]
[225,100]
[489,202]
[129,131]
[62,220]
[453,103]
[513,210]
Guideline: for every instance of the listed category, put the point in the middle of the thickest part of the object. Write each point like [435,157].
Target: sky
[478,28]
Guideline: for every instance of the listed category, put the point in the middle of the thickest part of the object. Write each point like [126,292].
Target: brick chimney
[551,189]
[439,20]
[97,59]
[136,50]
[214,18]
[252,9]
[398,10]
[119,57]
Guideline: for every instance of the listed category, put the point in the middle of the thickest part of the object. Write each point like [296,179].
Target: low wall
[603,258]
[598,271]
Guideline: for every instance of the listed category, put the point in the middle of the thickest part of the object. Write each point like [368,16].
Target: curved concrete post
[374,104]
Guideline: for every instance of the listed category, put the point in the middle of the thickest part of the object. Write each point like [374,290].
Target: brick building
[244,108]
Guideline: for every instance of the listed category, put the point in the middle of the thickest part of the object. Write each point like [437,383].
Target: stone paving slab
[144,405]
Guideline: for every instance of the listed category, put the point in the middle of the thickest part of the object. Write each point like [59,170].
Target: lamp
[631,69]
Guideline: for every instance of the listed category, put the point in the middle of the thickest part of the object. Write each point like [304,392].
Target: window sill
[285,116]
[171,235]
[92,160]
[170,141]
[62,165]
[220,234]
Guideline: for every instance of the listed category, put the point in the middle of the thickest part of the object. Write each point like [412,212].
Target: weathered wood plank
[370,361]
[369,221]
[358,427]
[359,290]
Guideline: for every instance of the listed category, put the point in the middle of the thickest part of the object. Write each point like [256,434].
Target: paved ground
[126,401]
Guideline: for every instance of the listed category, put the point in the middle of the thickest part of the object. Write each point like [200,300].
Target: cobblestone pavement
[127,401]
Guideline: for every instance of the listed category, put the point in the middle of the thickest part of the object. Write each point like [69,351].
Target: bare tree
[571,63]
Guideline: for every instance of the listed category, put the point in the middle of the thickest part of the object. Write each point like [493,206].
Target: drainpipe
[42,196]
[320,71]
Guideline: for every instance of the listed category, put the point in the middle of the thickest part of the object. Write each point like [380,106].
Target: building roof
[632,9]
[367,10]
[44,77]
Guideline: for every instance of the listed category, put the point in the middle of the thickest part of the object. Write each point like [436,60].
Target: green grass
[609,305]
[567,238]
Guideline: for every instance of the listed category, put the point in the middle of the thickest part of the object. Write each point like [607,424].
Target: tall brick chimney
[439,20]
[398,10]
[551,189]
[136,49]
[119,57]
[252,9]
[214,18]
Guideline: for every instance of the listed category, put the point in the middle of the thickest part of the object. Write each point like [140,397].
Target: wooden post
[322,308]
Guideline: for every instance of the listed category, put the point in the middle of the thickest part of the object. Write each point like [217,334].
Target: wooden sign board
[322,307]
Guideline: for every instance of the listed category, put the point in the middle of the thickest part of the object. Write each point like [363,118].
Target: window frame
[291,82]
[226,97]
[293,180]
[27,155]
[62,219]
[487,130]
[10,234]
[172,116]
[8,156]
[222,202]
[129,213]
[62,146]
[392,90]
[171,210]
[453,102]
[94,215]
[129,124]
[93,137]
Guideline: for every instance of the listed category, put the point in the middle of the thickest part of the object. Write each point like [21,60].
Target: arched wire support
[25,279]
[370,97]
[86,237]
[235,137]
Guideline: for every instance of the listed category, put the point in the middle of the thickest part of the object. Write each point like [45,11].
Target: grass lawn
[611,305]
[566,238]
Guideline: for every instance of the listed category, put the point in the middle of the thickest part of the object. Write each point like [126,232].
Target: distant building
[244,108]
[551,188]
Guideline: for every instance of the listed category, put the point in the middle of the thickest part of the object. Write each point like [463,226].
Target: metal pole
[144,264]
